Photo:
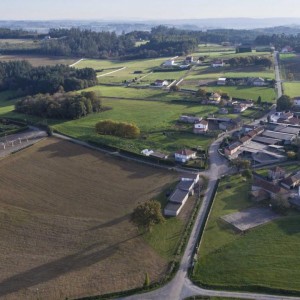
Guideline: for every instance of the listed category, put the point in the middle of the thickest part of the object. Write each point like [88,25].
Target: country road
[181,287]
[277,74]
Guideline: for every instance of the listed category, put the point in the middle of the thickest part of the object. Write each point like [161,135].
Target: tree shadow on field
[49,271]
[110,223]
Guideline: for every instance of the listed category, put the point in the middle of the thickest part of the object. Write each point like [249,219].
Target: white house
[201,127]
[184,155]
[218,63]
[221,81]
[178,198]
[169,63]
[161,83]
[296,101]
[189,59]
[258,81]
[215,97]
[287,49]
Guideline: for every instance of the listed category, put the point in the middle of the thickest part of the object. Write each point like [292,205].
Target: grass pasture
[290,63]
[143,65]
[292,89]
[69,208]
[263,259]
[152,117]
[245,92]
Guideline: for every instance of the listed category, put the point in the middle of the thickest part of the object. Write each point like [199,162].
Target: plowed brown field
[64,229]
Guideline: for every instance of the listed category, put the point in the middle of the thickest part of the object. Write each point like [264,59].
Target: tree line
[250,61]
[60,105]
[279,41]
[21,75]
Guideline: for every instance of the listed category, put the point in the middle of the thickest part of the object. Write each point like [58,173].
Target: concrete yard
[250,218]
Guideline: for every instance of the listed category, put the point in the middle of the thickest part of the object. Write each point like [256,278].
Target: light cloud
[145,9]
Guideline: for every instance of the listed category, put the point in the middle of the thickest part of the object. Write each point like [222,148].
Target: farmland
[69,209]
[264,258]
[289,67]
[289,64]
[37,61]
[292,89]
[153,118]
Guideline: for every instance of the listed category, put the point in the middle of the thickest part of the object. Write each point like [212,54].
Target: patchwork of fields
[68,208]
[289,68]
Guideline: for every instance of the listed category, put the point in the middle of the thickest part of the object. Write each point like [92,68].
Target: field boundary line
[111,72]
[77,62]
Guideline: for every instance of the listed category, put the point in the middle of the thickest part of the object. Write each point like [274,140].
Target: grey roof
[234,145]
[287,129]
[158,155]
[185,185]
[178,196]
[265,140]
[278,135]
[173,207]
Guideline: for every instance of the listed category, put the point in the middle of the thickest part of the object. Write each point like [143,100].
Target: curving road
[277,74]
[181,286]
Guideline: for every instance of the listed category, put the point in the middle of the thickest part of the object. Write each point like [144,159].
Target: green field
[264,258]
[152,118]
[135,93]
[289,64]
[267,94]
[292,89]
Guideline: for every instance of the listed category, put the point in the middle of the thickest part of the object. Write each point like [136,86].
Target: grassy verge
[264,259]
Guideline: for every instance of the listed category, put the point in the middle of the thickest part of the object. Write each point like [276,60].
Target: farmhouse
[258,81]
[221,81]
[169,63]
[233,148]
[230,124]
[215,97]
[185,155]
[189,59]
[296,101]
[287,49]
[201,127]
[281,117]
[272,190]
[276,173]
[161,83]
[292,181]
[190,119]
[218,64]
[178,198]
[239,108]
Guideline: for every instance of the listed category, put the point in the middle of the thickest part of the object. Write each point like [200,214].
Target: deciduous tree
[147,214]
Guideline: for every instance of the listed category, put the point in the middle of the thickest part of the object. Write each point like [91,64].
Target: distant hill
[285,25]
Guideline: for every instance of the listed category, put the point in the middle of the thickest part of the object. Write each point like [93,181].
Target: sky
[145,9]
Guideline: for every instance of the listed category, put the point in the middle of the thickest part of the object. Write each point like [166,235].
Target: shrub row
[121,129]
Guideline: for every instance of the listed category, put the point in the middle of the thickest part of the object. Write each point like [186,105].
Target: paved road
[181,286]
[18,141]
[277,74]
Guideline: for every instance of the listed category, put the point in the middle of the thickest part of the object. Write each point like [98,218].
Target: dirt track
[64,222]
